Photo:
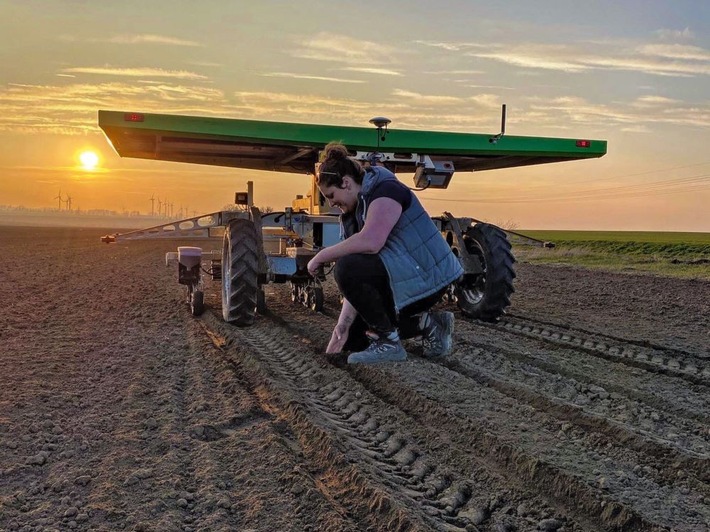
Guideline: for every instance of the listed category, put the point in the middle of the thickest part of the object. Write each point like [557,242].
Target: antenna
[494,139]
[381,123]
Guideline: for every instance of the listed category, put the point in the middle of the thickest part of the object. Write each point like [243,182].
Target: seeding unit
[258,248]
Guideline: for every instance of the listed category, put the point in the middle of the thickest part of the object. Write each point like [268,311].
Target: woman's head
[336,164]
[339,177]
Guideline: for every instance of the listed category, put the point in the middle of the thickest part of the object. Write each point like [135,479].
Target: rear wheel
[240,266]
[486,295]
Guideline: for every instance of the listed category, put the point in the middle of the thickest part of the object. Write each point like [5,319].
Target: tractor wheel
[485,296]
[197,302]
[261,307]
[240,267]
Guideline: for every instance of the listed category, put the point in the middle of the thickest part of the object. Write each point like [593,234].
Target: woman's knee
[343,270]
[355,268]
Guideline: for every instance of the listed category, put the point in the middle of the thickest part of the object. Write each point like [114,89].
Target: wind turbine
[152,204]
[68,202]
[159,204]
[59,197]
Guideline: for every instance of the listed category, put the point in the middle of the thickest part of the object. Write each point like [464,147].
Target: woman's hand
[338,338]
[314,264]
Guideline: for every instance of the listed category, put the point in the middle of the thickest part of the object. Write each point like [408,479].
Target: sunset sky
[635,73]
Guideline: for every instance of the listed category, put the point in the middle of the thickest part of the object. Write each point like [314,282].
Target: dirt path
[587,408]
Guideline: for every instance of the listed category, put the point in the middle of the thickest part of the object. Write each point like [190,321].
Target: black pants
[364,282]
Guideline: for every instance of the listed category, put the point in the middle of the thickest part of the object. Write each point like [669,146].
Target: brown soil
[585,409]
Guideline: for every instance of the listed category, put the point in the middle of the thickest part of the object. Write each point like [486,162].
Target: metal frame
[195,227]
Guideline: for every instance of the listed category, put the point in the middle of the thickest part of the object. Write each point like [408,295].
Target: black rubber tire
[197,303]
[486,296]
[240,269]
[261,307]
[315,298]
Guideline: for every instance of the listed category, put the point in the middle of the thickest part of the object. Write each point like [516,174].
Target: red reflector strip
[133,117]
[584,143]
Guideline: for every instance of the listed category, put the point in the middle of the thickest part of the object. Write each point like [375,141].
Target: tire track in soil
[614,433]
[293,387]
[693,367]
[605,404]
[638,402]
[648,309]
[674,457]
[447,506]
[672,462]
[575,364]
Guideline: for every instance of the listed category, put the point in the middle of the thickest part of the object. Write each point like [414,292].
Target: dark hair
[336,164]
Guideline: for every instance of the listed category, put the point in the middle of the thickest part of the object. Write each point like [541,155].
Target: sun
[89,160]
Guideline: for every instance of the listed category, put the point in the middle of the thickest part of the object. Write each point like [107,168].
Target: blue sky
[633,73]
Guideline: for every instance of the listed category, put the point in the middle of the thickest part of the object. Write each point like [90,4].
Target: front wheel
[315,298]
[240,272]
[197,302]
[486,295]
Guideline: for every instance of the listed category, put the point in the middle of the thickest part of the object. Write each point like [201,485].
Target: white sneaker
[437,334]
[380,350]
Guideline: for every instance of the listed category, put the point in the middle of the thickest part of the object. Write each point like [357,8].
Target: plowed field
[586,408]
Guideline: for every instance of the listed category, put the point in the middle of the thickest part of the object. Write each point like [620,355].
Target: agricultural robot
[259,248]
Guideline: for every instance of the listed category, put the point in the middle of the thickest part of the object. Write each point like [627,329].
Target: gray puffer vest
[416,256]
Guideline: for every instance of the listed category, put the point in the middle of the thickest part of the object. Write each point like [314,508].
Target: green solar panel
[293,147]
